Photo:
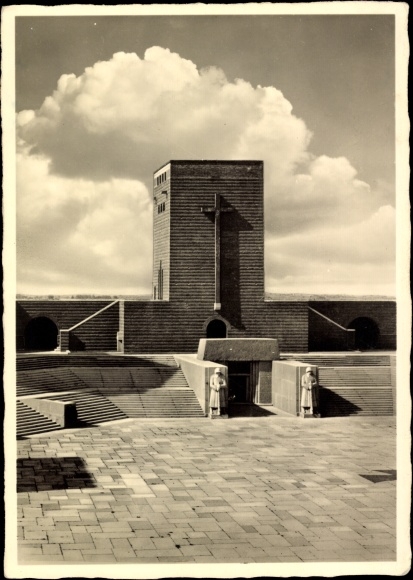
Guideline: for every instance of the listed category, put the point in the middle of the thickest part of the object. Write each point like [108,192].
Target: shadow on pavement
[248,410]
[42,474]
[381,475]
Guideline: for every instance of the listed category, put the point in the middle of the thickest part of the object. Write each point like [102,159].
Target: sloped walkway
[262,489]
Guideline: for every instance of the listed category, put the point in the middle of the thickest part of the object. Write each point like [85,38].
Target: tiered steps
[356,391]
[345,377]
[352,383]
[159,403]
[155,392]
[89,359]
[92,407]
[108,387]
[130,379]
[47,380]
[29,362]
[30,422]
[340,360]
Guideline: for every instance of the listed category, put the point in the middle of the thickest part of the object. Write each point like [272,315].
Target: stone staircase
[356,391]
[30,422]
[353,384]
[40,381]
[92,407]
[341,359]
[106,388]
[90,359]
[163,402]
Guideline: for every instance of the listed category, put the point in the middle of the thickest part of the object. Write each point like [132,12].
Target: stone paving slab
[273,489]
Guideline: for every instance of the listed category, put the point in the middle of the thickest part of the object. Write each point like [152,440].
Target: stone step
[165,403]
[335,402]
[99,406]
[31,422]
[39,381]
[356,390]
[35,361]
[348,377]
[107,393]
[93,407]
[337,360]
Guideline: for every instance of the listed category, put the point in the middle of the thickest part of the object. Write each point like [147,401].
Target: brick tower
[209,236]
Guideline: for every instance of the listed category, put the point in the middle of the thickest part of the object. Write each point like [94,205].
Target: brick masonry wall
[383,313]
[99,333]
[161,235]
[324,335]
[96,334]
[152,327]
[166,327]
[194,185]
[287,322]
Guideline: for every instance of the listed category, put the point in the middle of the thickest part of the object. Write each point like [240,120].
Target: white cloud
[357,257]
[76,235]
[87,156]
[136,113]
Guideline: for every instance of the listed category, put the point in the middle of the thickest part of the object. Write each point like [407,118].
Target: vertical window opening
[160,282]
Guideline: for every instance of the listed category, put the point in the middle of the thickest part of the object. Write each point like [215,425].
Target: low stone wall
[286,385]
[61,412]
[198,374]
[264,384]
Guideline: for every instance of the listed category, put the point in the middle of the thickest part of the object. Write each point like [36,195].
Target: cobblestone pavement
[271,489]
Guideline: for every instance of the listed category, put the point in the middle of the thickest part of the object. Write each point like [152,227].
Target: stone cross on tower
[217,210]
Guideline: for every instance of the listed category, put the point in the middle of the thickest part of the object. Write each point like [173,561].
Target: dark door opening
[216,329]
[40,334]
[241,391]
[238,388]
[239,377]
[367,333]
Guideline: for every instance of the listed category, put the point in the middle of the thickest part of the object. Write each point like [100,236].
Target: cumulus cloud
[358,257]
[79,235]
[128,115]
[86,159]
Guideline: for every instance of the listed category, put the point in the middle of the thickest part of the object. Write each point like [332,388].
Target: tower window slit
[160,282]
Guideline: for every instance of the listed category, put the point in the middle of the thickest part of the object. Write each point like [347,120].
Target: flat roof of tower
[211,162]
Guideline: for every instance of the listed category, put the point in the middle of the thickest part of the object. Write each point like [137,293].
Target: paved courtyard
[266,489]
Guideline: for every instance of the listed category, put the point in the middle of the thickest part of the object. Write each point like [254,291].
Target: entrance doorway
[367,333]
[40,334]
[216,329]
[239,383]
[242,390]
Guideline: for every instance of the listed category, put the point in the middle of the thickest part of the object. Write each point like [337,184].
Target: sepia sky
[104,101]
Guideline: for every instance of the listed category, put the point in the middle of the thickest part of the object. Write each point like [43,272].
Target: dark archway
[40,334]
[367,333]
[216,329]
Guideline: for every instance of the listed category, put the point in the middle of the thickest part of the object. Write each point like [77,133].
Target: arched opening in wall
[367,333]
[40,334]
[216,329]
